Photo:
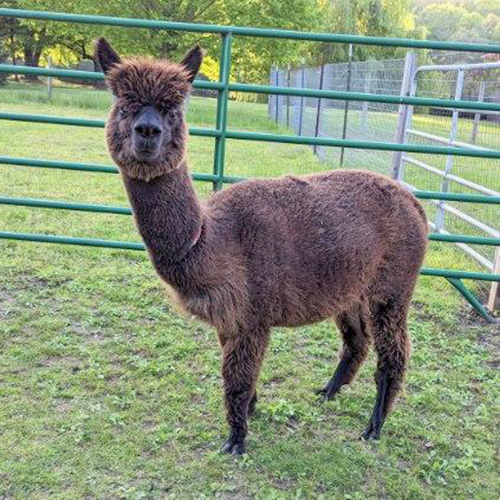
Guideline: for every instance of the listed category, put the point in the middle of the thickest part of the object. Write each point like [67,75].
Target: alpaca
[290,251]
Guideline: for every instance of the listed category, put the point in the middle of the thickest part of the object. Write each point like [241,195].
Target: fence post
[494,298]
[277,110]
[440,213]
[408,87]
[49,79]
[318,108]
[477,116]
[271,97]
[222,105]
[288,72]
[346,103]
[364,113]
[301,109]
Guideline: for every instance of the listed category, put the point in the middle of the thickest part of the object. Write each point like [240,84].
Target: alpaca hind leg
[352,326]
[393,348]
[242,359]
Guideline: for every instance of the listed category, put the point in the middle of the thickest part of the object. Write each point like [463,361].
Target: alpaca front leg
[242,359]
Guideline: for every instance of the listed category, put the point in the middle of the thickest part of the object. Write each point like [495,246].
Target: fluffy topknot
[148,81]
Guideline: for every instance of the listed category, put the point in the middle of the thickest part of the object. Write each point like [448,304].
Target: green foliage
[453,22]
[386,18]
[33,41]
[4,33]
[252,57]
[461,20]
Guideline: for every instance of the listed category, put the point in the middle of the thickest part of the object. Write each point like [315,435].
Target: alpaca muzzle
[148,133]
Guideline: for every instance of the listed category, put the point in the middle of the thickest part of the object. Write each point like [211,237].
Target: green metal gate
[221,134]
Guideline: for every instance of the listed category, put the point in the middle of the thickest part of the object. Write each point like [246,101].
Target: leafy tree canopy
[31,42]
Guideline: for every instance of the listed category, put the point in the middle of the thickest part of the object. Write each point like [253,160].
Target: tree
[486,7]
[461,21]
[384,18]
[8,29]
[252,57]
[442,20]
[26,40]
[3,59]
[492,25]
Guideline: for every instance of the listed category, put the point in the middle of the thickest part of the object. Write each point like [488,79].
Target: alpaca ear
[106,55]
[192,61]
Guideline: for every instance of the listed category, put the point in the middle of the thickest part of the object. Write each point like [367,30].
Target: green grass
[107,391]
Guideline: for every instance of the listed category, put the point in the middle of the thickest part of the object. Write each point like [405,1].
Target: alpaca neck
[168,216]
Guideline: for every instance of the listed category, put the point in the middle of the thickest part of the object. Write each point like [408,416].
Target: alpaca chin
[147,171]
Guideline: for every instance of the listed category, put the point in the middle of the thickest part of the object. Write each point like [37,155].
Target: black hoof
[233,447]
[371,433]
[326,394]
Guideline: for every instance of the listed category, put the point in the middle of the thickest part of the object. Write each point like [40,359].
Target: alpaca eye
[122,111]
[172,113]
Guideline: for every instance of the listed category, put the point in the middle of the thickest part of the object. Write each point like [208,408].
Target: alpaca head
[146,132]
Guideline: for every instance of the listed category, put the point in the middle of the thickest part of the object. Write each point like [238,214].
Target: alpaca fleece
[346,245]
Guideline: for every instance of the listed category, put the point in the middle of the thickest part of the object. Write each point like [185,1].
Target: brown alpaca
[346,245]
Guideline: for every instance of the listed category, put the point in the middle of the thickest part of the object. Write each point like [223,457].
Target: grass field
[107,391]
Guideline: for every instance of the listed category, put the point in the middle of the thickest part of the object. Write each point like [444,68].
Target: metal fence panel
[318,129]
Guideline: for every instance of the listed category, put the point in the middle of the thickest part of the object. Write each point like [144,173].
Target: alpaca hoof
[371,433]
[322,393]
[326,394]
[233,447]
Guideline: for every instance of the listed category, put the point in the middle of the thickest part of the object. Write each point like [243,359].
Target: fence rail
[221,134]
[251,32]
[267,137]
[275,90]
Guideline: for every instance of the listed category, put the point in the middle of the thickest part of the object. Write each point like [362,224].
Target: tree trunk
[13,53]
[32,59]
[33,47]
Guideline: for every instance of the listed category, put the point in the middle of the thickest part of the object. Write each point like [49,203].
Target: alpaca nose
[147,130]
[148,124]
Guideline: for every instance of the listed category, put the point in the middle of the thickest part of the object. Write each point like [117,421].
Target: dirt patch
[9,296]
[489,337]
[468,317]
[491,342]
[73,363]
[7,301]
[63,405]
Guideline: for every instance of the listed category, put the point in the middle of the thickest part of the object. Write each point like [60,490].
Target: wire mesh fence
[327,118]
[425,126]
